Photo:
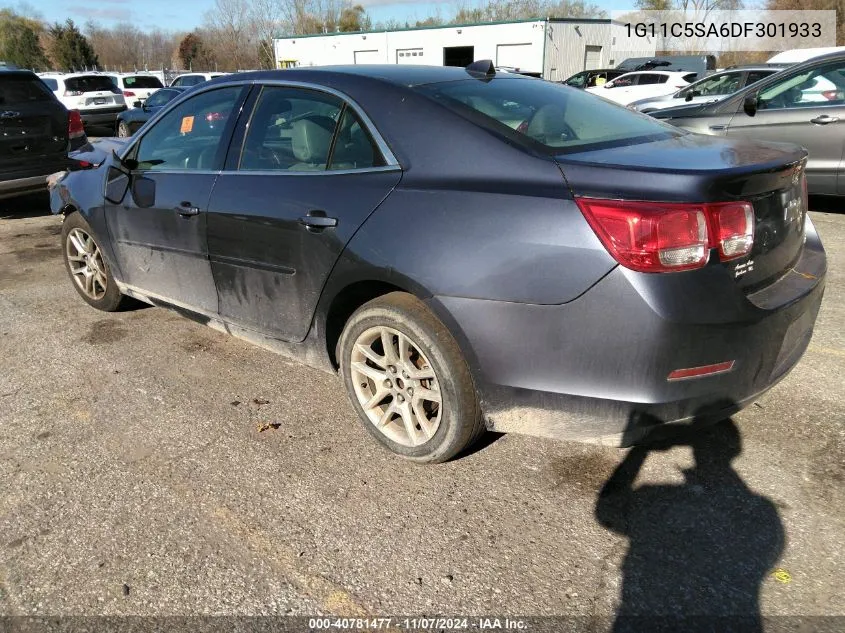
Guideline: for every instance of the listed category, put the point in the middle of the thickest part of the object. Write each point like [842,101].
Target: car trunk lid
[702,169]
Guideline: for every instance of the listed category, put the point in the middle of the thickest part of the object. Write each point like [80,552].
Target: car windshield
[142,81]
[558,118]
[90,83]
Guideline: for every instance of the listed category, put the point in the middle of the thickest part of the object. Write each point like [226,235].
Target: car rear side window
[547,116]
[21,90]
[52,84]
[291,129]
[90,83]
[651,78]
[354,147]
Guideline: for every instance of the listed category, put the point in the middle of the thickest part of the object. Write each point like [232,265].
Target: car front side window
[821,86]
[189,136]
[291,129]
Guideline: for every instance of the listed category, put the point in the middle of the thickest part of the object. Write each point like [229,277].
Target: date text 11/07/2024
[420,624]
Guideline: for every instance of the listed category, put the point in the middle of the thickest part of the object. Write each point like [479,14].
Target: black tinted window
[558,117]
[291,129]
[142,81]
[91,83]
[14,90]
[188,137]
[651,78]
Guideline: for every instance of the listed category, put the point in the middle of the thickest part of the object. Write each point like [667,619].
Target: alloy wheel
[86,264]
[396,386]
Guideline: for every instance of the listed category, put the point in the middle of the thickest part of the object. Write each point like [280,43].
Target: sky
[187,14]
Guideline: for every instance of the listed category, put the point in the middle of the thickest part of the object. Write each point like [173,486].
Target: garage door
[516,56]
[368,57]
[409,56]
[592,57]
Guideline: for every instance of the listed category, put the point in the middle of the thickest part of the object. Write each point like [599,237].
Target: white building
[554,49]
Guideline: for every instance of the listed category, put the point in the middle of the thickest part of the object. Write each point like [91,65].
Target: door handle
[186,209]
[824,119]
[317,221]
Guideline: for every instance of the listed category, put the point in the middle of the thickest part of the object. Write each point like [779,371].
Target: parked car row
[803,104]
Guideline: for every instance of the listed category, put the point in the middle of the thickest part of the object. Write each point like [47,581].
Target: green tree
[22,48]
[19,41]
[69,49]
[354,19]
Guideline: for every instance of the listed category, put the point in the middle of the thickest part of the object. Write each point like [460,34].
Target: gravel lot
[150,465]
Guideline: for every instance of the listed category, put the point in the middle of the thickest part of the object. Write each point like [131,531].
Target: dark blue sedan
[468,249]
[129,121]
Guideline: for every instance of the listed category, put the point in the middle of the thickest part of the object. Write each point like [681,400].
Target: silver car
[802,104]
[711,88]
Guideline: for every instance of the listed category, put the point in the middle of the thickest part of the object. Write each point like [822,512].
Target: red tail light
[75,127]
[128,93]
[668,236]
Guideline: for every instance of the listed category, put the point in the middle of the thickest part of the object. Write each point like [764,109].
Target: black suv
[36,132]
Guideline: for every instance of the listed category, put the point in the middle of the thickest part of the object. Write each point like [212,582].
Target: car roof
[400,75]
[17,72]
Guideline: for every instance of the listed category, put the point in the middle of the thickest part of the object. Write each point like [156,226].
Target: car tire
[438,420]
[87,268]
[123,130]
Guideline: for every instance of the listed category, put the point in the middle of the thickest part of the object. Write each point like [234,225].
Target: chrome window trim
[316,172]
[388,155]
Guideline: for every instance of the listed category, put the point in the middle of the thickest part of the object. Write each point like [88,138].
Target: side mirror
[749,105]
[143,191]
[117,182]
[609,84]
[688,97]
[137,104]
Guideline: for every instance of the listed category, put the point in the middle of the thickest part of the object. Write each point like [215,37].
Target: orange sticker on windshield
[187,124]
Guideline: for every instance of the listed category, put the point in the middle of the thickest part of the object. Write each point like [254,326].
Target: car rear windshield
[19,90]
[90,83]
[551,117]
[142,81]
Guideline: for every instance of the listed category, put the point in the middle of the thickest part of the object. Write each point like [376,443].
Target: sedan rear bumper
[597,368]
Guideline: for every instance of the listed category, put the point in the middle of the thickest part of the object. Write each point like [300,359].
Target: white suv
[93,94]
[136,87]
[192,79]
[643,84]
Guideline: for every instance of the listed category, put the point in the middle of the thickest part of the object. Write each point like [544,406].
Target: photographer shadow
[698,551]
